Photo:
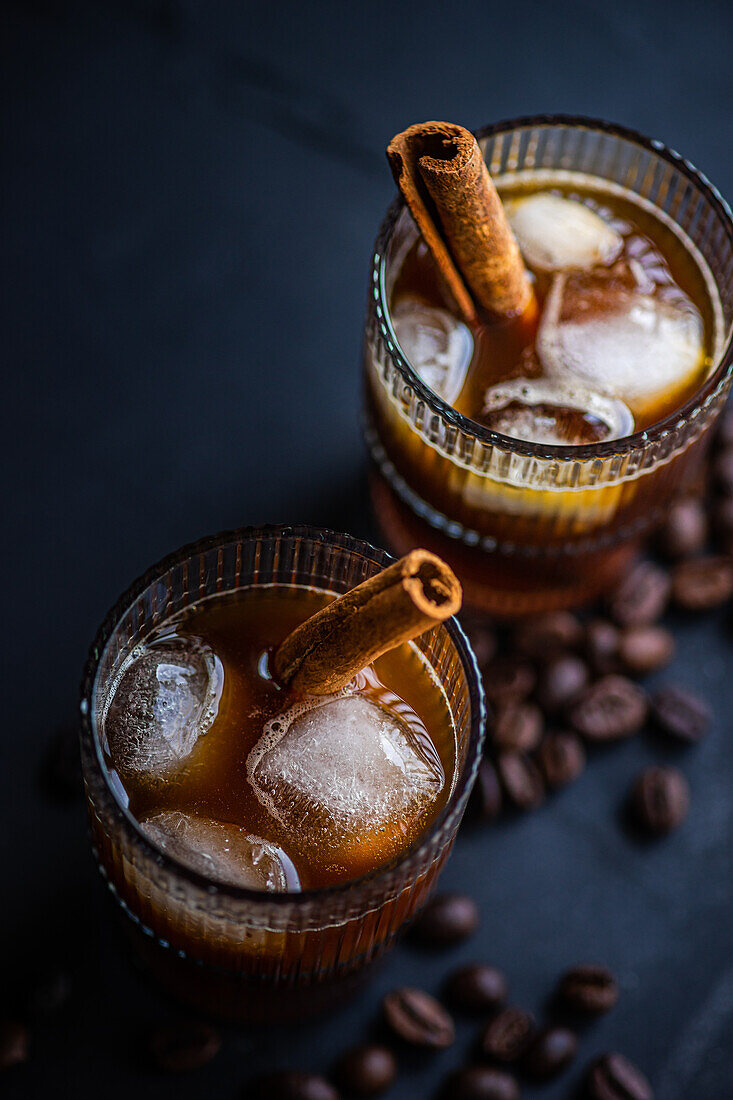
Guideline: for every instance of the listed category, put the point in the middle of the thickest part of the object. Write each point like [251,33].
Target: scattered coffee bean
[660,799]
[486,797]
[722,470]
[701,584]
[561,681]
[508,1036]
[552,1051]
[14,1043]
[611,708]
[476,988]
[184,1046]
[547,635]
[509,678]
[480,1083]
[367,1070]
[588,989]
[561,758]
[613,1077]
[646,649]
[418,1019]
[293,1085]
[601,646]
[60,773]
[47,992]
[642,595]
[483,642]
[518,727]
[447,919]
[684,530]
[521,780]
[680,714]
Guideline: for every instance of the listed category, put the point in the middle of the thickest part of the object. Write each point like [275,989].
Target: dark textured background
[190,194]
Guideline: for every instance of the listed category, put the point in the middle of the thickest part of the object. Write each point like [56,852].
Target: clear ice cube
[341,769]
[163,701]
[437,345]
[557,234]
[543,410]
[221,851]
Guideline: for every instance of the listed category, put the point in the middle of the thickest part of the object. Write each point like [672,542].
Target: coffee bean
[680,714]
[508,1036]
[293,1085]
[601,646]
[588,989]
[701,584]
[722,470]
[646,649]
[547,635]
[613,1077]
[367,1070]
[447,919]
[483,642]
[660,799]
[610,709]
[519,727]
[184,1046]
[14,1043]
[476,988]
[60,773]
[684,530]
[561,758]
[509,678]
[521,780]
[552,1051]
[480,1083]
[486,794]
[561,681]
[418,1019]
[642,595]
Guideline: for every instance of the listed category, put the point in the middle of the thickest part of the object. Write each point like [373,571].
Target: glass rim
[91,742]
[703,396]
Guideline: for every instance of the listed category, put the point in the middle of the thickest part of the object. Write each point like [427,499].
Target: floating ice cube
[556,234]
[221,851]
[164,700]
[438,347]
[341,768]
[543,410]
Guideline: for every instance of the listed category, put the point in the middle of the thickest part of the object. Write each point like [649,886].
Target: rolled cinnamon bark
[326,651]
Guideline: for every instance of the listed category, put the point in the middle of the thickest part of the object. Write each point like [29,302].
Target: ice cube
[437,346]
[221,851]
[543,410]
[342,770]
[163,701]
[556,234]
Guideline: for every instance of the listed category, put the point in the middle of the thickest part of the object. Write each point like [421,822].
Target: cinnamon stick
[439,169]
[326,651]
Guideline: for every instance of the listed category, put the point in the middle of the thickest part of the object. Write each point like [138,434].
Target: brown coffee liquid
[243,629]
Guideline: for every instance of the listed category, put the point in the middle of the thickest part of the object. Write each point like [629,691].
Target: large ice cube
[221,851]
[556,234]
[543,410]
[343,769]
[164,700]
[438,347]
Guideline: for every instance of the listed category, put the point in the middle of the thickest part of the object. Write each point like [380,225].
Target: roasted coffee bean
[47,992]
[610,709]
[480,1083]
[367,1070]
[701,584]
[509,679]
[545,636]
[601,646]
[60,774]
[521,780]
[292,1085]
[613,1077]
[684,530]
[660,799]
[646,649]
[642,595]
[722,470]
[552,1051]
[508,1037]
[519,727]
[486,795]
[562,681]
[184,1046]
[447,919]
[476,988]
[680,714]
[561,758]
[588,989]
[14,1043]
[418,1019]
[483,642]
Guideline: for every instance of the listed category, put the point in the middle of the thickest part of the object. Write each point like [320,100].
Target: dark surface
[190,196]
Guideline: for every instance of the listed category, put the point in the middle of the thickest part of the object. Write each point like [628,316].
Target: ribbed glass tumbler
[532,527]
[239,953]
